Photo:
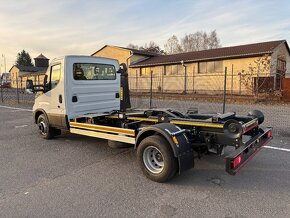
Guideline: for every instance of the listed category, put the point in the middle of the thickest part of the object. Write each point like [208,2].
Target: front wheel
[156,158]
[44,129]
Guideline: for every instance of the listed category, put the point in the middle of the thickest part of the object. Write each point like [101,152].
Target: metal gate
[285,84]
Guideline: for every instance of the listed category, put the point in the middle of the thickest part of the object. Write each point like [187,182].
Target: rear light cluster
[269,134]
[237,161]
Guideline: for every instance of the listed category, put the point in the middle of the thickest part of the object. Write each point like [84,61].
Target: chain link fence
[214,93]
[13,93]
[182,93]
[238,84]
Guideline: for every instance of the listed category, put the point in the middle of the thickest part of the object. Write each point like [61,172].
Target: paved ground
[74,176]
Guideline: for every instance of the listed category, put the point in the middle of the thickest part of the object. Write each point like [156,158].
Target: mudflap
[185,153]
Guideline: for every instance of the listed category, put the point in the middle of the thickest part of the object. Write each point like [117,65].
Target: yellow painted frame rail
[106,129]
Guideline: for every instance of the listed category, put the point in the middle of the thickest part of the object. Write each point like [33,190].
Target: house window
[145,71]
[281,65]
[174,69]
[202,67]
[168,70]
[218,66]
[210,67]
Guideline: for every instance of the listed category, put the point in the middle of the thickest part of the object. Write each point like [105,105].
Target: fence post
[225,91]
[2,99]
[162,79]
[151,89]
[185,78]
[240,74]
[232,80]
[17,90]
[136,88]
[257,82]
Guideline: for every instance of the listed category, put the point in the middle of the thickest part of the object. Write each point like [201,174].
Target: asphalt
[74,176]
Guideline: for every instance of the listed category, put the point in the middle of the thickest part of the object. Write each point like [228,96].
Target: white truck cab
[78,85]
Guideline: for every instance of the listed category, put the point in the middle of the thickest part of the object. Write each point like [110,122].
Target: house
[19,74]
[124,55]
[251,67]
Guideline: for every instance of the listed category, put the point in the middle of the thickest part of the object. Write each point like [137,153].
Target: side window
[53,77]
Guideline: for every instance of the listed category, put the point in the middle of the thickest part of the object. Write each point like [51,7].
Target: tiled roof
[31,69]
[141,52]
[249,50]
[135,51]
[41,56]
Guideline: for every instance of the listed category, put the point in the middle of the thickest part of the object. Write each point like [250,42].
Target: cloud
[56,28]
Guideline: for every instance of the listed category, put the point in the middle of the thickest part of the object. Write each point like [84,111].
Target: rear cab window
[93,71]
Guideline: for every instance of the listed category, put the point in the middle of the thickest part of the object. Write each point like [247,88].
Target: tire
[156,159]
[45,131]
[115,144]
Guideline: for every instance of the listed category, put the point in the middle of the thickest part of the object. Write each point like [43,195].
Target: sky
[63,27]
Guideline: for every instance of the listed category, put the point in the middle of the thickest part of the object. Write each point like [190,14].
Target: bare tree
[190,42]
[255,78]
[200,41]
[172,46]
[213,40]
[131,45]
[151,47]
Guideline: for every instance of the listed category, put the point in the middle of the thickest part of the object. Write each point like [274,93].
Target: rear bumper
[236,160]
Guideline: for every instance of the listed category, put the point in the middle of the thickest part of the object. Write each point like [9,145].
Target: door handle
[60,98]
[74,98]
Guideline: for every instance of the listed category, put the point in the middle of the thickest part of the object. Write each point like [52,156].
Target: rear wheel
[44,130]
[156,158]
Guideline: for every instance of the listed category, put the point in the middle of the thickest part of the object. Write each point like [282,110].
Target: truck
[89,96]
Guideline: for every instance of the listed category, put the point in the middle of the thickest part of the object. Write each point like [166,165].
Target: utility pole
[225,90]
[3,56]
[185,76]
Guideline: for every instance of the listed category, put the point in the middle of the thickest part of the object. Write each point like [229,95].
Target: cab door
[51,101]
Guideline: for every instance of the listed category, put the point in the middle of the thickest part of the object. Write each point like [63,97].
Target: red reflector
[237,161]
[269,134]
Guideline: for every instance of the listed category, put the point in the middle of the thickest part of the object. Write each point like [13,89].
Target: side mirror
[123,68]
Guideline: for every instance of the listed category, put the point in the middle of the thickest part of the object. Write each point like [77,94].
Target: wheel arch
[37,113]
[154,130]
[182,150]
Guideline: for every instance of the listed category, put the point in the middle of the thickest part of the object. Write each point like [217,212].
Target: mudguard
[180,146]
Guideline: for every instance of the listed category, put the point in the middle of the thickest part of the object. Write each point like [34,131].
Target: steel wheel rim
[42,127]
[153,159]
